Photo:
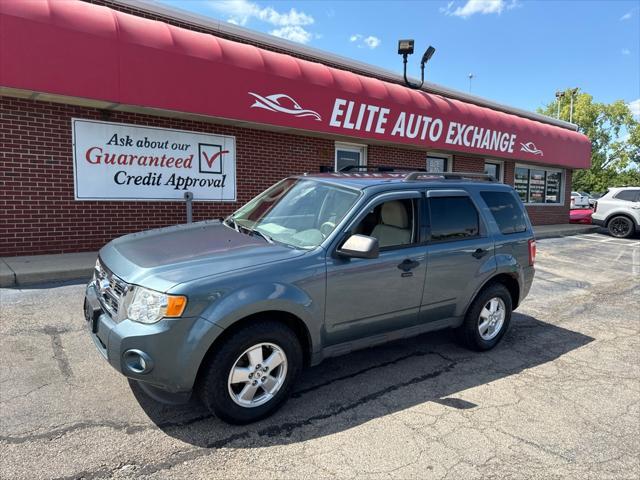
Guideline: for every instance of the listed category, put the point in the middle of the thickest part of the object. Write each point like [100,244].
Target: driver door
[366,297]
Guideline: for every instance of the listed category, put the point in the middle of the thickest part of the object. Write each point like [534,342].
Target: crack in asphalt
[129,429]
[58,351]
[285,429]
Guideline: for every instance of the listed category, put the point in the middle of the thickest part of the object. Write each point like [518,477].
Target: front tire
[251,374]
[620,227]
[487,318]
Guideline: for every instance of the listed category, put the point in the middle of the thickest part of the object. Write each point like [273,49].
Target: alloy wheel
[620,227]
[491,318]
[257,375]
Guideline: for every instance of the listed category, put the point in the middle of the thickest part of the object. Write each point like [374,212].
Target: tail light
[532,252]
[595,207]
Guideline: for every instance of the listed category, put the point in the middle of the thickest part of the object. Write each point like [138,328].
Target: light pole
[573,91]
[405,48]
[471,75]
[559,96]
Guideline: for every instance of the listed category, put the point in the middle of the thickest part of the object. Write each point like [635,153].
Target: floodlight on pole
[405,48]
[559,96]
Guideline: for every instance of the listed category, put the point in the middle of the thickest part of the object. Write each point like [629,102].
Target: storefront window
[538,185]
[494,169]
[349,155]
[437,164]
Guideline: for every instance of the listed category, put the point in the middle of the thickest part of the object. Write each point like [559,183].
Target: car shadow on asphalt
[344,392]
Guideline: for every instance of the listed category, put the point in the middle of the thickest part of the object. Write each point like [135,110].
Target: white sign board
[118,161]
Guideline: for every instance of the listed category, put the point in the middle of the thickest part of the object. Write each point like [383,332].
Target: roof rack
[451,176]
[379,168]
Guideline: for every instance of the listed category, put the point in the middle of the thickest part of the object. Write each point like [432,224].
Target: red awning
[88,51]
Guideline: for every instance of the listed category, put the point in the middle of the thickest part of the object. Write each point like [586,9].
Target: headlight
[149,306]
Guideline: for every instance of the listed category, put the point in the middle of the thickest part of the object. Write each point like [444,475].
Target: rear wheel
[251,374]
[487,318]
[620,227]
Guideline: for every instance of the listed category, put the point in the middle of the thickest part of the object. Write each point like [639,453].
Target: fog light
[137,362]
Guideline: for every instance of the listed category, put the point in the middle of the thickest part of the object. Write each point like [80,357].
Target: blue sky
[520,52]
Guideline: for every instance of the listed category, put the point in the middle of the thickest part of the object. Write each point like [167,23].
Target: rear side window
[506,210]
[453,218]
[628,195]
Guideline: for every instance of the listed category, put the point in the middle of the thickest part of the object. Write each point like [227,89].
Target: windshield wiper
[260,234]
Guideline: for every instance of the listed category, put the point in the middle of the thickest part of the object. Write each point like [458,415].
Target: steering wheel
[326,228]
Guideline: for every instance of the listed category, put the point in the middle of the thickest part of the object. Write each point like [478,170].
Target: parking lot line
[609,241]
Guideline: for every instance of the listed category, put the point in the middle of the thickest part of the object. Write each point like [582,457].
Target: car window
[453,218]
[506,210]
[392,223]
[628,195]
[297,212]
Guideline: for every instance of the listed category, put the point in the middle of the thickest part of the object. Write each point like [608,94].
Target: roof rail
[451,176]
[379,168]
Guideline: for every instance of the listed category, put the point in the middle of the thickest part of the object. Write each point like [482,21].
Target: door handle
[480,252]
[408,264]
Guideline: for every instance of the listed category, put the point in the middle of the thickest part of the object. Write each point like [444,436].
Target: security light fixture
[428,54]
[405,48]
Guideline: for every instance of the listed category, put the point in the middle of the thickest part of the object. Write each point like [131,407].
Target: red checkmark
[210,160]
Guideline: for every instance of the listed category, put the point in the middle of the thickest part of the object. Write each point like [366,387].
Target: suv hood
[164,257]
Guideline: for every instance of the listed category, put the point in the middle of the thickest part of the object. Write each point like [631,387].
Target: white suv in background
[618,210]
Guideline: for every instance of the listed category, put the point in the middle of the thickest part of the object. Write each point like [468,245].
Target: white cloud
[627,16]
[484,7]
[291,23]
[295,33]
[372,42]
[362,41]
[635,107]
[626,51]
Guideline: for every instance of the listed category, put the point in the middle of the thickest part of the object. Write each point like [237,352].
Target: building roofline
[242,33]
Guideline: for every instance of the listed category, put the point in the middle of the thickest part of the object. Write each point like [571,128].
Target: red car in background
[580,215]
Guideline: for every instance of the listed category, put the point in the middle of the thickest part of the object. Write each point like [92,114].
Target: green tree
[615,141]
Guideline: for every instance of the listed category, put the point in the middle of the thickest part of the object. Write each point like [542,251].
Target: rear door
[460,254]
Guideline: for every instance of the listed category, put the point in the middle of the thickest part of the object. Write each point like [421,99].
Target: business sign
[118,161]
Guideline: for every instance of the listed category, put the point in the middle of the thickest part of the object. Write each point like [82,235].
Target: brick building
[119,74]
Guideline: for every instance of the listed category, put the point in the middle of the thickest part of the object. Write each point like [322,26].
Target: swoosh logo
[278,102]
[530,147]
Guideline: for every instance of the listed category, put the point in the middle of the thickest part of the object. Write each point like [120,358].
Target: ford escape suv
[314,267]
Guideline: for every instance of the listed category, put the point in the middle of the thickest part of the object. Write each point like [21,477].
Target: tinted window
[453,218]
[506,210]
[628,195]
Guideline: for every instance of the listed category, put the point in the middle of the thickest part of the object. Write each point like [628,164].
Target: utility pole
[471,75]
[559,96]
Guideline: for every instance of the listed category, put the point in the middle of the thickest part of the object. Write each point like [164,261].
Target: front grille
[111,290]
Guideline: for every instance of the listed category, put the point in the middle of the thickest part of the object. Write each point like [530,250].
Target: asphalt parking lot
[558,398]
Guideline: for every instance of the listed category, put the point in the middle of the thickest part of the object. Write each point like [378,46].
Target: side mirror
[359,246]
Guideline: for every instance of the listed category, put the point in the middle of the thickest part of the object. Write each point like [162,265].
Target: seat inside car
[394,227]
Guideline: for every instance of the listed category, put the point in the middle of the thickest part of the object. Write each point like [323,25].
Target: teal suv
[316,266]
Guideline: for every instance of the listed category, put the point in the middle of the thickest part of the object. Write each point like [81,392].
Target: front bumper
[172,349]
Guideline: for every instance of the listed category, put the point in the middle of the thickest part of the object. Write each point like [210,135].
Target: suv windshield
[296,211]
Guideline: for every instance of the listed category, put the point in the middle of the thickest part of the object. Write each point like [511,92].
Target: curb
[567,232]
[16,272]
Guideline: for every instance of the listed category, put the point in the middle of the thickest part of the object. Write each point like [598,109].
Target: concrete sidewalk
[34,269]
